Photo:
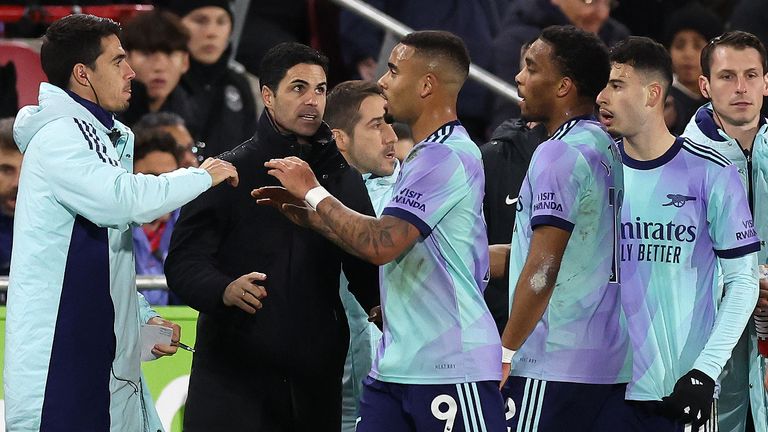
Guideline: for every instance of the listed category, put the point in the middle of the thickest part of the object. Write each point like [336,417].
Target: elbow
[380,258]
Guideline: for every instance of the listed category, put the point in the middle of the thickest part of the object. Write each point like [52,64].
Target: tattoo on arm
[364,236]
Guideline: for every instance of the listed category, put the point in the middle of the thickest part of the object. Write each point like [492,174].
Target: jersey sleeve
[431,183]
[557,174]
[730,220]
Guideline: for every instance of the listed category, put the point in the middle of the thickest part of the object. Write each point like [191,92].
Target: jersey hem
[571,379]
[431,380]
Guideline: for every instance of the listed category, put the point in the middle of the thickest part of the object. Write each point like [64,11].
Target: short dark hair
[646,55]
[71,40]
[441,44]
[343,104]
[7,143]
[284,56]
[735,39]
[155,140]
[581,56]
[155,31]
[157,119]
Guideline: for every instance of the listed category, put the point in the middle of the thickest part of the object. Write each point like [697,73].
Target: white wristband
[315,195]
[507,354]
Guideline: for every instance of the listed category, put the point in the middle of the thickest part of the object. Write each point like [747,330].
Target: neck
[653,140]
[86,93]
[431,119]
[105,117]
[563,114]
[743,134]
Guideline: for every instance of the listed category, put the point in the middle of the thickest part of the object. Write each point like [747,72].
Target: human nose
[741,85]
[601,99]
[129,73]
[389,136]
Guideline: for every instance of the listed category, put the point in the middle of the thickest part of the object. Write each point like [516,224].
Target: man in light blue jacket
[356,114]
[734,80]
[73,319]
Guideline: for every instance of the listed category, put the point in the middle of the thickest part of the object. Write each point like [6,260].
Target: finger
[245,306]
[252,301]
[258,291]
[166,349]
[272,163]
[176,337]
[269,202]
[254,276]
[234,179]
[294,159]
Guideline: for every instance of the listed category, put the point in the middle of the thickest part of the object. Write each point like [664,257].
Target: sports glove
[691,399]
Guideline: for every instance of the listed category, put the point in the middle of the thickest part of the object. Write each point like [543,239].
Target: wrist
[507,354]
[315,195]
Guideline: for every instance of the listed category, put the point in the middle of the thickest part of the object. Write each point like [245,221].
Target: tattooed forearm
[374,240]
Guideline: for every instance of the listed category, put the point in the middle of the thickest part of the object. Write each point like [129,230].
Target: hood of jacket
[54,103]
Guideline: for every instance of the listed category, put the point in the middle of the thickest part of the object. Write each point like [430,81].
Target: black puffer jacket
[505,159]
[300,336]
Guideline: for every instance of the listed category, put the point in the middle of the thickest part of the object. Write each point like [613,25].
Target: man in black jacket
[505,161]
[272,333]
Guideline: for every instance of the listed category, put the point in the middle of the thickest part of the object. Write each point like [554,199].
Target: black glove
[691,399]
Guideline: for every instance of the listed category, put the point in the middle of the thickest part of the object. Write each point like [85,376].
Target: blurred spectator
[268,23]
[156,44]
[686,32]
[752,16]
[189,154]
[220,89]
[476,22]
[155,153]
[525,19]
[9,97]
[10,167]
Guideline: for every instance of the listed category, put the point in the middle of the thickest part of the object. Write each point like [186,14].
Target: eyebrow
[392,66]
[119,57]
[376,119]
[615,81]
[752,69]
[301,81]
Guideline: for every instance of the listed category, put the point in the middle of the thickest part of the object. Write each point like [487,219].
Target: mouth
[157,82]
[310,117]
[741,104]
[390,154]
[606,117]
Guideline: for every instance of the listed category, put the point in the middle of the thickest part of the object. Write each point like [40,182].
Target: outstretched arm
[376,240]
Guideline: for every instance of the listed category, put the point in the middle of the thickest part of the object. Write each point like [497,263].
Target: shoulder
[703,154]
